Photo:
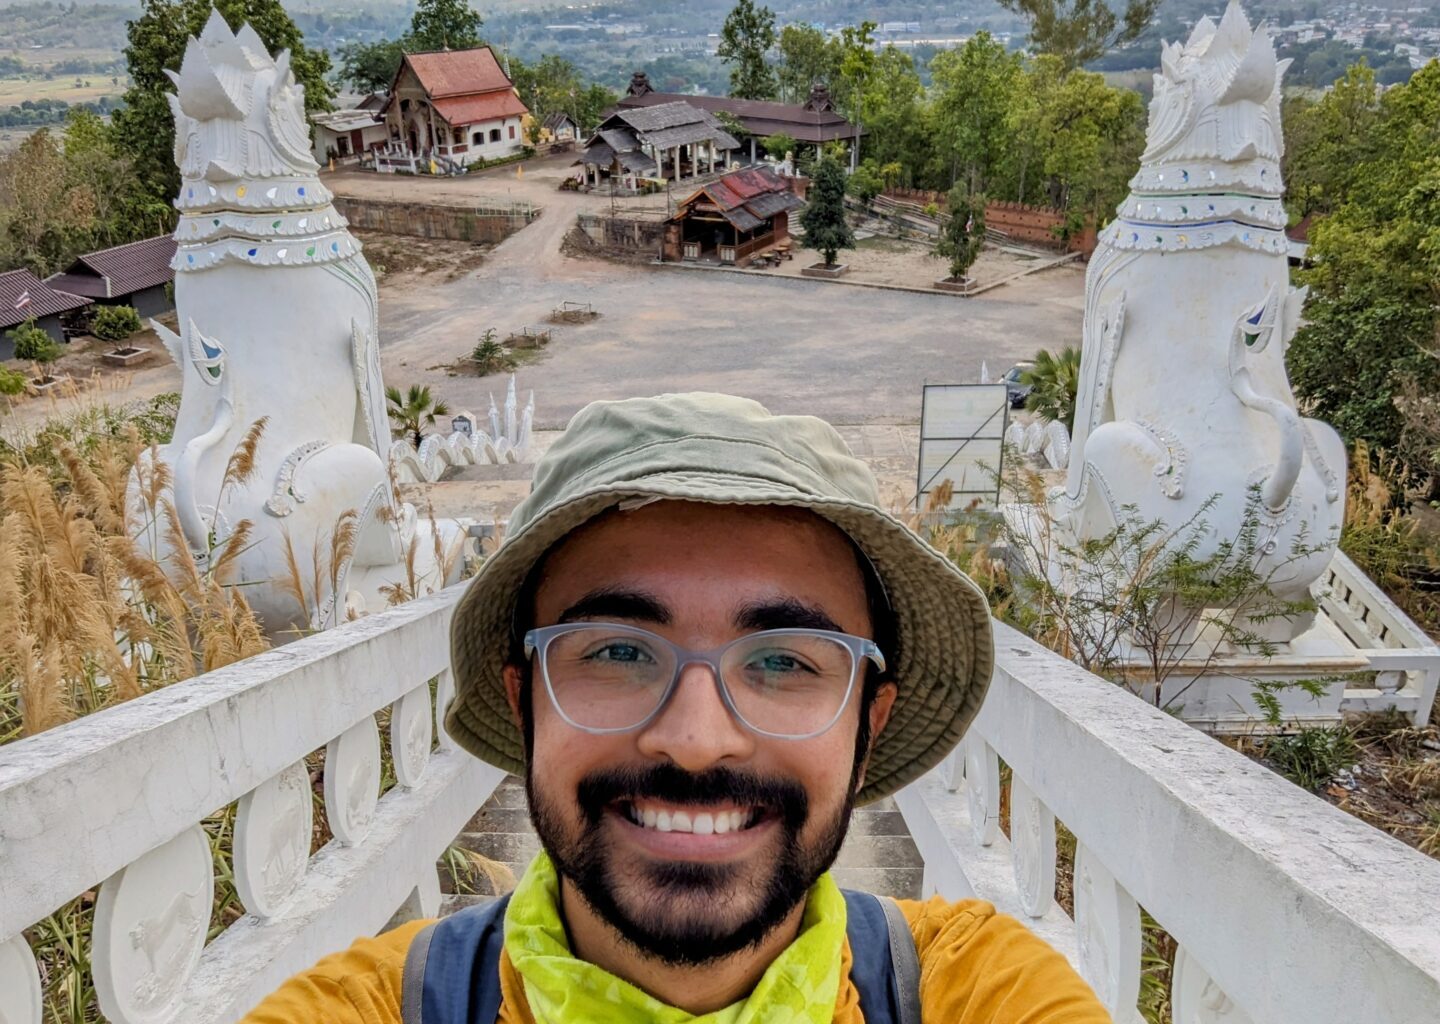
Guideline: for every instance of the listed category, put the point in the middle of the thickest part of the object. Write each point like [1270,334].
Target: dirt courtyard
[852,355]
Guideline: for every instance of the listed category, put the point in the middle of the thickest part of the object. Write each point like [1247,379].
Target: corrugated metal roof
[458,72]
[747,198]
[760,117]
[44,300]
[664,115]
[492,106]
[619,140]
[121,270]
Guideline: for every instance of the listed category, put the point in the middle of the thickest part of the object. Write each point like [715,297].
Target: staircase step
[899,883]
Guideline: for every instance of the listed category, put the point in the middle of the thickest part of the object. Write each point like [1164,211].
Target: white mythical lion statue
[1183,392]
[279,319]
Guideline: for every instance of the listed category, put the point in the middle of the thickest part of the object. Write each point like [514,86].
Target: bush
[491,356]
[1054,382]
[11,383]
[865,183]
[115,323]
[1312,756]
[33,344]
[962,234]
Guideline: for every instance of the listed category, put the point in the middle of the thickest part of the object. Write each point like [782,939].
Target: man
[702,643]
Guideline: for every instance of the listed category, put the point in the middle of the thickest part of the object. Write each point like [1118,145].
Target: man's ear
[514,680]
[880,709]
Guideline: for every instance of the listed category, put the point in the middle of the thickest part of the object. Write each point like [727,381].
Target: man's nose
[695,730]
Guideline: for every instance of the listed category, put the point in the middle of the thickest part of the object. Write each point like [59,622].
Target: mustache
[673,784]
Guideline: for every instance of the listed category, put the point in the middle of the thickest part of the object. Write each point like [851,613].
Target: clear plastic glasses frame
[538,641]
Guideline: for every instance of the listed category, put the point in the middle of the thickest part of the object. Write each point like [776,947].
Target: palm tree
[1054,381]
[412,412]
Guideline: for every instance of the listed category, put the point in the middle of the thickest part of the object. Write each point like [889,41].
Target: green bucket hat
[732,451]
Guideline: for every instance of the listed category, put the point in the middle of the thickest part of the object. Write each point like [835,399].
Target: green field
[15,90]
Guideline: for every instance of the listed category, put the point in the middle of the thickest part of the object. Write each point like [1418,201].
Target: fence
[1005,221]
[492,224]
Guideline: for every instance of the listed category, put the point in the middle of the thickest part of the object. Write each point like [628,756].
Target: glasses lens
[788,684]
[606,678]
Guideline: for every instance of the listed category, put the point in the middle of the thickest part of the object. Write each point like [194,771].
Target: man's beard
[685,913]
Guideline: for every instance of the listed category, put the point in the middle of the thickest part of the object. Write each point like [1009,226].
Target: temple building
[23,296]
[812,123]
[668,141]
[734,218]
[455,105]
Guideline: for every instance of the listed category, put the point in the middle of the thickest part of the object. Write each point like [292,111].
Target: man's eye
[620,652]
[777,661]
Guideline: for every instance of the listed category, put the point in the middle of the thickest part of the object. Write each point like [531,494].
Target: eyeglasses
[781,683]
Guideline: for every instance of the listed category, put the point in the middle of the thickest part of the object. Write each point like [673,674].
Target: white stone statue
[279,319]
[505,443]
[1188,311]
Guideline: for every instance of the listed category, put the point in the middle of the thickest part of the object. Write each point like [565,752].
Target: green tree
[894,114]
[1079,31]
[443,25]
[33,344]
[746,39]
[865,182]
[962,235]
[1372,330]
[974,89]
[370,67]
[826,229]
[1328,141]
[554,84]
[806,58]
[1054,381]
[411,412]
[857,65]
[144,127]
[45,219]
[776,146]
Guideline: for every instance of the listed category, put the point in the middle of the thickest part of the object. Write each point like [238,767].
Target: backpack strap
[884,966]
[452,968]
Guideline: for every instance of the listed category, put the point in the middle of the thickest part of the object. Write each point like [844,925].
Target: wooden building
[733,218]
[812,123]
[124,275]
[23,296]
[455,106]
[668,141]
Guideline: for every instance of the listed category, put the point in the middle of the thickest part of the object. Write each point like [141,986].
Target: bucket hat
[725,450]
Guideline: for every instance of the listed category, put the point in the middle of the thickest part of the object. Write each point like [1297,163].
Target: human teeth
[680,822]
[649,819]
[737,821]
[704,825]
[722,823]
[662,821]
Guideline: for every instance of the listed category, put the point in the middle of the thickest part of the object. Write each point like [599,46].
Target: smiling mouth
[670,818]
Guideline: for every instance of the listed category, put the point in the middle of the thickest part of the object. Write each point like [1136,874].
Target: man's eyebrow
[783,613]
[617,603]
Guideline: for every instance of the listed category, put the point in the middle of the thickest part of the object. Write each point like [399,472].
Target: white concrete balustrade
[1286,909]
[116,800]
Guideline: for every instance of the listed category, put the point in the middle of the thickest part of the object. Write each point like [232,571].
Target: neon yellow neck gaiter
[799,987]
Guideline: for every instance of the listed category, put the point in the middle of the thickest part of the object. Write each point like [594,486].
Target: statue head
[1215,116]
[239,114]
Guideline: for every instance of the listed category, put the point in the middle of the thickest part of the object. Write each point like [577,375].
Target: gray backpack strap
[412,982]
[904,961]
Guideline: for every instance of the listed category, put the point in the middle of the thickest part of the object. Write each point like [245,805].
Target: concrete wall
[624,234]
[455,223]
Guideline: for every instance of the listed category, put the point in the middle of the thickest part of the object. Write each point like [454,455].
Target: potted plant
[961,237]
[40,350]
[116,325]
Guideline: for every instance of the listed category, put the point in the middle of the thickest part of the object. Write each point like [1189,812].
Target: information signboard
[962,433]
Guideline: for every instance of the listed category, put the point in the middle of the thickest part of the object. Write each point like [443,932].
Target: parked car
[1014,387]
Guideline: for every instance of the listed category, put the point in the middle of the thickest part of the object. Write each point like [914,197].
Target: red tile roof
[121,270]
[458,72]
[463,110]
[44,300]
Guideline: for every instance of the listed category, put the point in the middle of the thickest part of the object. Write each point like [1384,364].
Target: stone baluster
[20,993]
[1196,999]
[273,827]
[1032,849]
[150,924]
[444,694]
[982,788]
[352,781]
[1107,924]
[412,729]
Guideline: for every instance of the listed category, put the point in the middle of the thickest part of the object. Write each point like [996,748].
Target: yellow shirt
[976,967]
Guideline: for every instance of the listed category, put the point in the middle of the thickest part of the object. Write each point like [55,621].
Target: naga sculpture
[279,320]
[1184,397]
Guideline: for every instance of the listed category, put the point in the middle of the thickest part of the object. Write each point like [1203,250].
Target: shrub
[1312,757]
[11,383]
[490,356]
[1054,382]
[826,230]
[33,344]
[963,233]
[865,184]
[776,146]
[115,323]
